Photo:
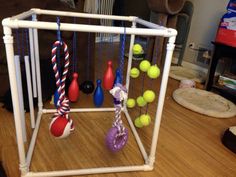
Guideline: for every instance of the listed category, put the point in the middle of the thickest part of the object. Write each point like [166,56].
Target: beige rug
[181,73]
[204,102]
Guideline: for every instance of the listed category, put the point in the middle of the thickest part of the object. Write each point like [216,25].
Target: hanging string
[155,58]
[122,53]
[59,46]
[146,109]
[27,42]
[142,89]
[100,47]
[18,42]
[22,42]
[74,49]
[89,55]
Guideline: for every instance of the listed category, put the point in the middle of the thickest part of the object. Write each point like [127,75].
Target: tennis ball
[130,103]
[145,119]
[138,123]
[149,96]
[153,72]
[134,72]
[144,65]
[137,49]
[140,101]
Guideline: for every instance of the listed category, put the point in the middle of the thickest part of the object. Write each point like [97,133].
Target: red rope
[63,107]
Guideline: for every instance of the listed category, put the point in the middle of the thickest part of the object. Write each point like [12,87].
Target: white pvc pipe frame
[152,30]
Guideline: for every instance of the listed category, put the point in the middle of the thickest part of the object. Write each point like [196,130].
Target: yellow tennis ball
[153,72]
[137,49]
[138,123]
[144,65]
[130,103]
[149,96]
[134,72]
[145,119]
[140,101]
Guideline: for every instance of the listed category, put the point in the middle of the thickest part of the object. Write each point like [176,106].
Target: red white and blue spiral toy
[61,125]
[117,136]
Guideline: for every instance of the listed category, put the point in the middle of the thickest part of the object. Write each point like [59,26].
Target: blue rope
[59,47]
[122,53]
[58,30]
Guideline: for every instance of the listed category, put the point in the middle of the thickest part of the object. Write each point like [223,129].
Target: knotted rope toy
[117,136]
[61,125]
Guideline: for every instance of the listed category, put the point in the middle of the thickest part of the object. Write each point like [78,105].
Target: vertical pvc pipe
[37,62]
[20,93]
[161,99]
[30,95]
[31,40]
[130,58]
[8,40]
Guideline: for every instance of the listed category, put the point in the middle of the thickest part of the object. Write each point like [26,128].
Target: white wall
[205,20]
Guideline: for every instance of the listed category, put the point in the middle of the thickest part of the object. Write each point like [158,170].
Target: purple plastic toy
[114,141]
[117,136]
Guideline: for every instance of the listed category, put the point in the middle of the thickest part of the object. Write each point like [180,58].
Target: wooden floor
[189,143]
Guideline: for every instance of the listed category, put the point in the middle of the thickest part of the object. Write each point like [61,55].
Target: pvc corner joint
[172,31]
[5,21]
[134,18]
[148,167]
[24,169]
[35,10]
[8,22]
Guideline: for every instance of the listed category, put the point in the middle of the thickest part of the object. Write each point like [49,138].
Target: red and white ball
[60,127]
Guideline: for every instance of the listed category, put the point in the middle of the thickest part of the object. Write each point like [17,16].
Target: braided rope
[119,93]
[63,102]
[118,121]
[122,54]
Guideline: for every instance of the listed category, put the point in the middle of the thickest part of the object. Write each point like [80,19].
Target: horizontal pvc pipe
[155,26]
[87,28]
[81,110]
[148,24]
[82,15]
[90,171]
[23,15]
